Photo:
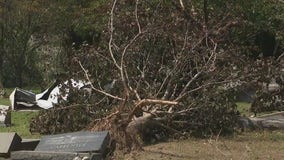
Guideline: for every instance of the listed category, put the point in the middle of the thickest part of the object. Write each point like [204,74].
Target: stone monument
[5,116]
[80,145]
[9,142]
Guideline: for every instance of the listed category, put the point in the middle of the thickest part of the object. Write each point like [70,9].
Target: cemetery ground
[264,145]
[243,145]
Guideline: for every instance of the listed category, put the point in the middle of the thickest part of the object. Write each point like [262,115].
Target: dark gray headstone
[29,144]
[75,142]
[37,155]
[9,142]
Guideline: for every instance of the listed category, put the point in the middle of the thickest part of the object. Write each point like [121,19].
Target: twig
[136,16]
[111,36]
[212,56]
[181,4]
[187,85]
[167,91]
[122,72]
[137,95]
[174,92]
[71,106]
[198,88]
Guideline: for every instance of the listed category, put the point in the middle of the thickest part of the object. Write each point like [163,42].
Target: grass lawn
[20,119]
[21,124]
[5,101]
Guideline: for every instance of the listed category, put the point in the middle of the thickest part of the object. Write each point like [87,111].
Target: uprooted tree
[162,69]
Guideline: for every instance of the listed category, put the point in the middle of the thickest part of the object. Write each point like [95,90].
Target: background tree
[19,26]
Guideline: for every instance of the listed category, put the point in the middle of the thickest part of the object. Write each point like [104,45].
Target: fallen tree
[162,70]
[178,93]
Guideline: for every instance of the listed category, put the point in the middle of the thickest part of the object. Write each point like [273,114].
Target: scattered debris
[20,97]
[23,99]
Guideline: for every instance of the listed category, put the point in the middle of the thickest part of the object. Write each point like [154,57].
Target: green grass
[20,119]
[243,108]
[5,101]
[20,124]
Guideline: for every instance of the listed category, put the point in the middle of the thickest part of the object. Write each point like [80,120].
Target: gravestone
[29,144]
[5,116]
[85,141]
[37,155]
[9,142]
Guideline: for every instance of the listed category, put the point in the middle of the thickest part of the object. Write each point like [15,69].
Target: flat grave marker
[83,141]
[35,155]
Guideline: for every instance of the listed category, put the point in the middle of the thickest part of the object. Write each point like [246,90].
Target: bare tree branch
[136,16]
[181,4]
[97,90]
[111,35]
[147,102]
[208,66]
[198,88]
[188,84]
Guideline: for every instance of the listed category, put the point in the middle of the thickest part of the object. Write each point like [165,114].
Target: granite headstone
[84,141]
[29,144]
[9,142]
[35,155]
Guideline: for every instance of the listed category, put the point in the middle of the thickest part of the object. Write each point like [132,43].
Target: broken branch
[93,87]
